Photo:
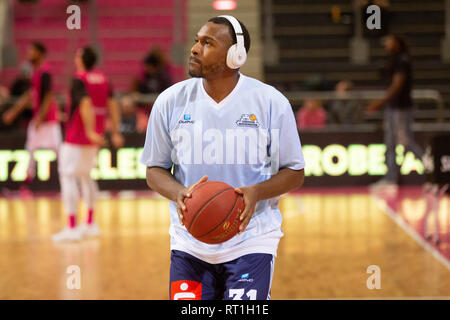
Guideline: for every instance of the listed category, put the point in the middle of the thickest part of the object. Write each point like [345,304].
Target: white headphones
[236,53]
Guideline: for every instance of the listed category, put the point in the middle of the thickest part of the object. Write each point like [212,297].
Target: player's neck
[37,63]
[219,88]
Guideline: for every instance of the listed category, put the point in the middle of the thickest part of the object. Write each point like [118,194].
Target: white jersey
[242,140]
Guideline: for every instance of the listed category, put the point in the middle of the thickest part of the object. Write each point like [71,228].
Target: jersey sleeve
[158,145]
[285,137]
[46,85]
[46,82]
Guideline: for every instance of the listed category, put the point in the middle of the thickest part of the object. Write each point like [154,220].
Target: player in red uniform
[91,101]
[43,130]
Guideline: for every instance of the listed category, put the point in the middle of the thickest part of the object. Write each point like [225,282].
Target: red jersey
[95,85]
[40,86]
[307,118]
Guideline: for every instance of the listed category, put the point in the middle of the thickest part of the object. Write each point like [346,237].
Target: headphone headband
[237,54]
[236,28]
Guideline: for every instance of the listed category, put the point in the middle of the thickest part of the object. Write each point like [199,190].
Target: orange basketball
[212,212]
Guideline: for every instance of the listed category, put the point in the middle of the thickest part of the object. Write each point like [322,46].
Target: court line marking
[396,217]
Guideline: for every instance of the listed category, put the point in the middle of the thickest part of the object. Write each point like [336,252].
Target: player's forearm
[45,106]
[163,182]
[394,89]
[21,104]
[391,93]
[88,117]
[284,181]
[114,112]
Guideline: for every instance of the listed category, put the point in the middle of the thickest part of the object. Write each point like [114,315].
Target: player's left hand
[117,140]
[8,117]
[250,199]
[374,106]
[37,123]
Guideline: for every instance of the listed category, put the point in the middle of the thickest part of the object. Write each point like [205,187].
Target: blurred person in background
[398,107]
[311,115]
[133,119]
[20,85]
[43,131]
[128,115]
[155,76]
[91,100]
[4,99]
[343,111]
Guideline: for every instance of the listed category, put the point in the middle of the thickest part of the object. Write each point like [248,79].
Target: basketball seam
[201,208]
[232,208]
[197,187]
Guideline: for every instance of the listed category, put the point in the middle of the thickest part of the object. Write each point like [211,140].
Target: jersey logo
[247,120]
[245,278]
[186,119]
[185,290]
[95,78]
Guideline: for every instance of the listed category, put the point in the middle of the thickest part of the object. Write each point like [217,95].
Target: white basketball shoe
[90,230]
[68,235]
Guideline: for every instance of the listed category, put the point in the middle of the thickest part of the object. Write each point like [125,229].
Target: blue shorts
[246,278]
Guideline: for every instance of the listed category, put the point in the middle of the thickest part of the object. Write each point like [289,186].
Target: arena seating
[312,46]
[126,30]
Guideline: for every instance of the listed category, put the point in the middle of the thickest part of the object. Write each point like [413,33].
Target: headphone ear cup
[236,57]
[241,56]
[231,57]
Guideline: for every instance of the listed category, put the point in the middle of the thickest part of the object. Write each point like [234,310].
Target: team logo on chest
[247,120]
[186,119]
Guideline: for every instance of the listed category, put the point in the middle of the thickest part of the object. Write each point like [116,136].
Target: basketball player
[398,107]
[91,99]
[221,125]
[43,130]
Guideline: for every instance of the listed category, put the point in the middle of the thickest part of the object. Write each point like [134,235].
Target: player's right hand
[8,117]
[117,140]
[97,139]
[186,193]
[374,106]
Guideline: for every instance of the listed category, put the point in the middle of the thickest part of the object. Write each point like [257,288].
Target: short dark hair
[152,59]
[39,46]
[89,57]
[221,20]
[401,42]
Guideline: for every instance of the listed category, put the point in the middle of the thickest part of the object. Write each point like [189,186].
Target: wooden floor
[330,241]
